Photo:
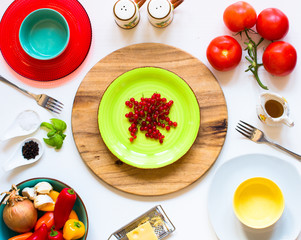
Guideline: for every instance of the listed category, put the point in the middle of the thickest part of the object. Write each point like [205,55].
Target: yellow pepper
[49,207]
[73,229]
[53,194]
[73,215]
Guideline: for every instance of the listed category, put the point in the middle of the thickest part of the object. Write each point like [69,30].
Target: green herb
[56,134]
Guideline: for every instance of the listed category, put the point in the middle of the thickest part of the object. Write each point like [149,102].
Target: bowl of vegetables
[43,207]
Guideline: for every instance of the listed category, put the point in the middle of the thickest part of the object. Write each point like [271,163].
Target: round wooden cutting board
[150,182]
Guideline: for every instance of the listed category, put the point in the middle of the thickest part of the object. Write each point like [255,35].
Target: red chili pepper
[55,235]
[63,206]
[40,234]
[47,218]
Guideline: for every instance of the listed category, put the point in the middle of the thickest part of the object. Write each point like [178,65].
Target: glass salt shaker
[126,13]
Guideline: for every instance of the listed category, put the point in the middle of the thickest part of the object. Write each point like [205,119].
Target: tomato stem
[252,58]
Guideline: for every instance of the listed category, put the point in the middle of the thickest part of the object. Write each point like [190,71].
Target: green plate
[145,152]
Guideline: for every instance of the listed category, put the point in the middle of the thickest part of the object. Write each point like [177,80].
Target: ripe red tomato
[279,58]
[224,53]
[239,16]
[272,24]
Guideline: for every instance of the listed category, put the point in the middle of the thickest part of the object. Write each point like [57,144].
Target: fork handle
[286,150]
[14,85]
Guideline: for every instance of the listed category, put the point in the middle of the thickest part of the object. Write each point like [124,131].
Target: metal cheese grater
[158,220]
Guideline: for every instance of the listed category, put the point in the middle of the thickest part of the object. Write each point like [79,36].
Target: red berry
[147,114]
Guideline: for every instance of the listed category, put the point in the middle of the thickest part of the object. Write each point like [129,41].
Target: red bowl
[45,70]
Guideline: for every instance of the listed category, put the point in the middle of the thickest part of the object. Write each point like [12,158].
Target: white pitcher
[273,110]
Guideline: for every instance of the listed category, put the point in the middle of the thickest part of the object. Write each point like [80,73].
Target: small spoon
[17,159]
[25,123]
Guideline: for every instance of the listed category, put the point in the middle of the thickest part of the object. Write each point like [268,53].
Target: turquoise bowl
[44,34]
[79,207]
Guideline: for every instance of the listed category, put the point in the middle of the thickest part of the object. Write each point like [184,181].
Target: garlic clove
[43,188]
[30,193]
[41,200]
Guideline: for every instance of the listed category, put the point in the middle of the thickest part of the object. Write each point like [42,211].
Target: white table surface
[195,24]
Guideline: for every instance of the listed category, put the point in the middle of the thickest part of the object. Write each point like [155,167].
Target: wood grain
[150,182]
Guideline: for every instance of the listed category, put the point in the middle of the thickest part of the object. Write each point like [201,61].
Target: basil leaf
[62,135]
[55,141]
[51,133]
[47,125]
[59,124]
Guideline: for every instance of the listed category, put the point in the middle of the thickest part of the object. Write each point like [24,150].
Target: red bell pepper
[55,235]
[40,234]
[63,207]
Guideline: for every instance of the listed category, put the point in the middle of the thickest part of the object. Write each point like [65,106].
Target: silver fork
[43,100]
[257,136]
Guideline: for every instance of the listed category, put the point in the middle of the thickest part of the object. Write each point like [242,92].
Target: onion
[19,214]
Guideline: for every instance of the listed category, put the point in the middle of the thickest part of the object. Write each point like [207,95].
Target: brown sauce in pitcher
[274,108]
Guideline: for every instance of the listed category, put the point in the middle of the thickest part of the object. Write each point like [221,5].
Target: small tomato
[272,24]
[224,53]
[239,16]
[279,58]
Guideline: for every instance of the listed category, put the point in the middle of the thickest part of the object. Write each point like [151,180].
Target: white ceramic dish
[27,122]
[231,174]
[18,160]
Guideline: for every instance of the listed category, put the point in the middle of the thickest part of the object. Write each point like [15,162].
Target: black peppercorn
[30,150]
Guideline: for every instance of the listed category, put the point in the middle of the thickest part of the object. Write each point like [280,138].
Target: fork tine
[247,124]
[55,105]
[247,136]
[51,109]
[56,101]
[244,130]
[244,127]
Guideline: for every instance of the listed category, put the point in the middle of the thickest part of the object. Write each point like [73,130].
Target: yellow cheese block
[143,232]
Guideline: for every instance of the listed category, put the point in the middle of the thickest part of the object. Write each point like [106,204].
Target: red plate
[68,61]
